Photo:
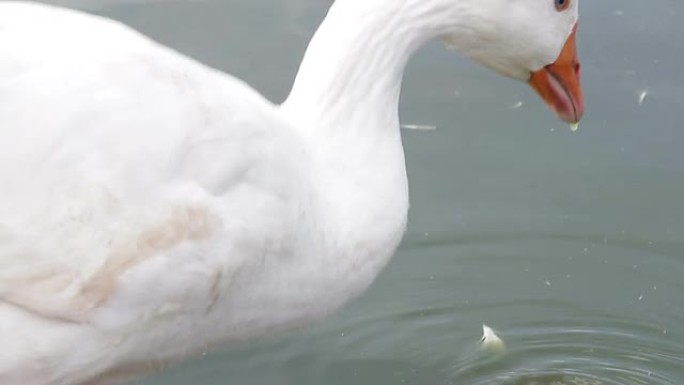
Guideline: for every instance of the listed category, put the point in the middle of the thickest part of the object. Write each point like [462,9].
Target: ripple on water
[559,379]
[622,354]
[571,309]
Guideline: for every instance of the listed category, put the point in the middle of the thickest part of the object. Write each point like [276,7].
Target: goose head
[529,40]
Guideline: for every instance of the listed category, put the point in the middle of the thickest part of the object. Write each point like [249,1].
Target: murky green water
[570,245]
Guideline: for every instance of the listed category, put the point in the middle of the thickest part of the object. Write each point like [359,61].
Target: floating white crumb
[517,105]
[642,96]
[574,127]
[491,341]
[419,127]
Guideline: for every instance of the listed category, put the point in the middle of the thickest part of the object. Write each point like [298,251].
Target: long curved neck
[345,104]
[350,78]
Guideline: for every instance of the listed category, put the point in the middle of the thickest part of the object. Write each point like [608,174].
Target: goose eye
[562,5]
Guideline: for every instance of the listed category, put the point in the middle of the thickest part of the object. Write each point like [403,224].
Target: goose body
[153,208]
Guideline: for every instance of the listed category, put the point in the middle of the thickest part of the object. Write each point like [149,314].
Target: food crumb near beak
[574,127]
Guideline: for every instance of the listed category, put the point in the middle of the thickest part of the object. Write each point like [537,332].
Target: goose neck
[350,78]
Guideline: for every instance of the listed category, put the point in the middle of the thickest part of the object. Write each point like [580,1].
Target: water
[570,245]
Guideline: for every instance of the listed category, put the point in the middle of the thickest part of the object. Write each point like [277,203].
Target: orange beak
[559,83]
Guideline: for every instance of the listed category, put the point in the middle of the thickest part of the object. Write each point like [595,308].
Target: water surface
[570,245]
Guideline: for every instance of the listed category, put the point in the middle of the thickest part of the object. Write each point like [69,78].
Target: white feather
[491,341]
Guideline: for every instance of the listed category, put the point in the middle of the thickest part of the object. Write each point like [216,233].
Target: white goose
[152,208]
